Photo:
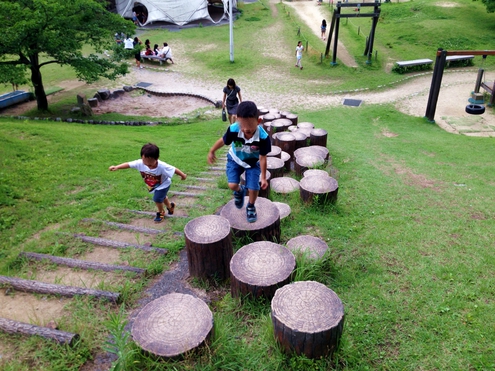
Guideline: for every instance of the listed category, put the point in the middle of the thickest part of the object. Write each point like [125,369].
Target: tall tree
[490,5]
[40,32]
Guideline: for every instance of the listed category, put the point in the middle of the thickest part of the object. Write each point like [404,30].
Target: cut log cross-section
[276,166]
[267,227]
[322,189]
[172,325]
[308,319]
[209,247]
[309,246]
[318,137]
[260,268]
[15,327]
[284,185]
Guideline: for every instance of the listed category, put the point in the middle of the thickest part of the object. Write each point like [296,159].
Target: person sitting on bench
[166,53]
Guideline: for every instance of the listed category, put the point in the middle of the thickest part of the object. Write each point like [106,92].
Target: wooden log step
[118,244]
[285,157]
[213,172]
[317,172]
[323,188]
[283,208]
[301,139]
[82,264]
[153,213]
[53,289]
[209,247]
[284,185]
[267,227]
[318,137]
[275,152]
[260,268]
[16,327]
[128,227]
[307,161]
[275,166]
[287,141]
[218,168]
[197,187]
[308,318]
[204,179]
[305,125]
[172,325]
[319,151]
[310,246]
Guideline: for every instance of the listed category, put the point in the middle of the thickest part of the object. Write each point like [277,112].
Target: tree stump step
[267,227]
[319,151]
[310,246]
[209,247]
[318,137]
[284,185]
[308,318]
[276,166]
[172,325]
[317,172]
[307,161]
[283,208]
[286,158]
[260,268]
[287,141]
[280,125]
[326,188]
[275,152]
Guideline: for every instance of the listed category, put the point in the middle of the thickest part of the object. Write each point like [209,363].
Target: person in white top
[166,53]
[299,50]
[157,175]
[129,43]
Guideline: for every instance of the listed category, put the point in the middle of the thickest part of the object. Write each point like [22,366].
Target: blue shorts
[234,171]
[160,194]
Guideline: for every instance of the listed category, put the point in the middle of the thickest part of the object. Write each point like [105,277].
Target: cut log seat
[172,325]
[311,246]
[260,268]
[308,319]
[321,189]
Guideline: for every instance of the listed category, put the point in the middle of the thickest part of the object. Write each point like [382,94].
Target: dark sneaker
[251,214]
[159,217]
[239,197]
[171,209]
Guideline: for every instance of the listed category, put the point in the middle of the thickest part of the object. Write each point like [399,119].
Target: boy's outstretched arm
[125,165]
[180,173]
[211,154]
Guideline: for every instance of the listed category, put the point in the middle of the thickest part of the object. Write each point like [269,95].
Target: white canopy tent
[179,12]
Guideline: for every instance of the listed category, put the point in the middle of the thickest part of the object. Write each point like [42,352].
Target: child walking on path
[250,144]
[299,50]
[157,176]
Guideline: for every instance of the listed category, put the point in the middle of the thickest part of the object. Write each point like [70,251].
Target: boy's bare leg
[167,203]
[253,195]
[159,205]
[234,187]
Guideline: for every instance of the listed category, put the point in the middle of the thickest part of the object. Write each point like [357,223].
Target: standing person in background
[323,29]
[230,100]
[299,50]
[128,43]
[137,55]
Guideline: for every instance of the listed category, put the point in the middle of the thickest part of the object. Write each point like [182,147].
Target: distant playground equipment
[368,51]
[481,83]
[436,82]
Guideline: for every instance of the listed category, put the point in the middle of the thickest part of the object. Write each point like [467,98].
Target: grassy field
[410,237]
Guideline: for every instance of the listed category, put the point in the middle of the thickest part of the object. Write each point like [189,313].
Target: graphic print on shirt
[246,151]
[151,180]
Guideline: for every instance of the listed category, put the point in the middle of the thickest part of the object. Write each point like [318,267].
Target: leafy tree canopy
[39,32]
[490,5]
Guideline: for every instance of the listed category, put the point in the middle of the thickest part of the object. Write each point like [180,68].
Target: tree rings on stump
[317,172]
[259,268]
[318,137]
[209,247]
[275,152]
[307,161]
[313,150]
[308,318]
[324,188]
[310,246]
[284,185]
[281,124]
[283,208]
[262,192]
[267,227]
[305,125]
[276,166]
[172,325]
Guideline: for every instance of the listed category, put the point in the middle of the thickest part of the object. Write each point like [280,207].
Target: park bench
[155,58]
[467,59]
[403,66]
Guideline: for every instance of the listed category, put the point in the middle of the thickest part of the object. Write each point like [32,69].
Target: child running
[157,176]
[250,144]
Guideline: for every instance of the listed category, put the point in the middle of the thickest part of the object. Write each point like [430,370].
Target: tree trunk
[15,327]
[37,81]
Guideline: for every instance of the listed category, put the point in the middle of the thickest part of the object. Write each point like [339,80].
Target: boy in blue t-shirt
[249,145]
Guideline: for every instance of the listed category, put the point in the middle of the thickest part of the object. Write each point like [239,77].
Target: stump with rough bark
[318,137]
[276,166]
[267,227]
[318,189]
[275,152]
[209,247]
[262,192]
[285,157]
[287,141]
[307,161]
[284,185]
[172,325]
[293,117]
[281,125]
[312,247]
[314,151]
[260,268]
[283,208]
[301,139]
[308,319]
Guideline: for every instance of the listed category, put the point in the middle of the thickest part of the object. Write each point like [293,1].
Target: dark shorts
[138,57]
[160,195]
[234,171]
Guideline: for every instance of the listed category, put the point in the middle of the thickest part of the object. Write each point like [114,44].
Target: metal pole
[231,29]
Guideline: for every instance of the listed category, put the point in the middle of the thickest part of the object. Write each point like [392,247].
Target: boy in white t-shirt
[157,175]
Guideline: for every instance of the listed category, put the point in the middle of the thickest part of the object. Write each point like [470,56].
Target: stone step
[117,244]
[127,226]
